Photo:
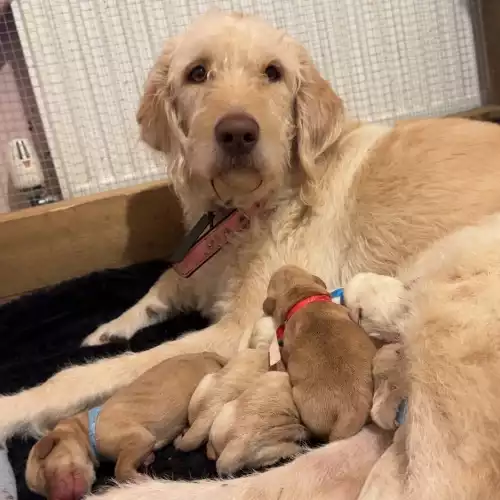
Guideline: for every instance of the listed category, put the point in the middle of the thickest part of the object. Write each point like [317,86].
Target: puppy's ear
[319,118]
[156,116]
[319,281]
[45,446]
[269,306]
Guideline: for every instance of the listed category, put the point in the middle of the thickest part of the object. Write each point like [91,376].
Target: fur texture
[337,197]
[451,367]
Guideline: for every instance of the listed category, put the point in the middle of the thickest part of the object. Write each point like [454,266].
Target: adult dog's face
[239,107]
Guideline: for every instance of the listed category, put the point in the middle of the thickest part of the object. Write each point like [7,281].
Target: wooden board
[490,19]
[45,245]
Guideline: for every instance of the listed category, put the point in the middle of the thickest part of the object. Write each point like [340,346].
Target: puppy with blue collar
[138,419]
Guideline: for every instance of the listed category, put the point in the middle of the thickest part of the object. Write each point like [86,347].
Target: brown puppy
[142,417]
[327,355]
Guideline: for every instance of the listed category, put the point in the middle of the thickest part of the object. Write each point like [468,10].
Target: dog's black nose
[237,133]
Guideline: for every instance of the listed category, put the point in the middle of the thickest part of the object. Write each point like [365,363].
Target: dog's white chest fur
[322,243]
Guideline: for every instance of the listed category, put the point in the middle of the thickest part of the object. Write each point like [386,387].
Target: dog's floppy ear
[319,117]
[43,447]
[269,306]
[156,115]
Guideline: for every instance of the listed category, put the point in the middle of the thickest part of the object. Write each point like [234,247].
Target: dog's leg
[322,474]
[170,293]
[232,458]
[134,451]
[195,435]
[78,387]
[210,450]
[197,432]
[386,479]
[269,455]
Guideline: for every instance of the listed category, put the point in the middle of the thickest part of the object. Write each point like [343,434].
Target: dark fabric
[41,333]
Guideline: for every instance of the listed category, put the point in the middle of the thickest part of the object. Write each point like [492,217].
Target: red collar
[280,331]
[207,238]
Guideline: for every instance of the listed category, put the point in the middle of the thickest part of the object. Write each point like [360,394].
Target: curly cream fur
[339,198]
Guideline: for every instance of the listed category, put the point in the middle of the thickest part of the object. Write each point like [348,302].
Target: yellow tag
[274,353]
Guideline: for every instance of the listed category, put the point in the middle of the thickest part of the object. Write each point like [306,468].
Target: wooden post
[490,17]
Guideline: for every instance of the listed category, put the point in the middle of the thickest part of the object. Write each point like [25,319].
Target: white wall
[88,60]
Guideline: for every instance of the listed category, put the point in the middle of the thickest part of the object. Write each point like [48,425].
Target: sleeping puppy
[142,417]
[327,355]
[259,428]
[217,389]
[389,384]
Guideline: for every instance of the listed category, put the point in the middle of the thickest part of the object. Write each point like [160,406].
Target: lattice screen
[72,71]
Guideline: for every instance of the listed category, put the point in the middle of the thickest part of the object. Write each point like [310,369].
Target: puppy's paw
[384,411]
[178,442]
[388,377]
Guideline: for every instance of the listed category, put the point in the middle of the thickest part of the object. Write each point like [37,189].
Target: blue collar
[93,415]
[338,296]
[402,412]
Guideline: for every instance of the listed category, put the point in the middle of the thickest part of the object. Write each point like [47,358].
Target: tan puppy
[328,356]
[259,428]
[390,385]
[146,415]
[216,389]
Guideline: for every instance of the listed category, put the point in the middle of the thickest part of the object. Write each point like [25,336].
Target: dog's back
[329,359]
[452,348]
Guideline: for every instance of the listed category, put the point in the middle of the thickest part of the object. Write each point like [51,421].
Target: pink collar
[280,331]
[208,242]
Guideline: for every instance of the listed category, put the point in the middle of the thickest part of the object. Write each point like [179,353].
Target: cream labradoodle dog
[449,322]
[247,120]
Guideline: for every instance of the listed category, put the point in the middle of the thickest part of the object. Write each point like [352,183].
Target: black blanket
[41,333]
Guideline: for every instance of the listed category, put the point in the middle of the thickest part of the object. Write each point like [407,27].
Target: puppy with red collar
[327,355]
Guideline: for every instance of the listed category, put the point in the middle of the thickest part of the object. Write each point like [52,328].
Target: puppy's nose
[237,133]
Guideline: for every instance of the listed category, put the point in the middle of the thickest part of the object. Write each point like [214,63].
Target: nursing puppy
[142,417]
[217,389]
[259,428]
[327,355]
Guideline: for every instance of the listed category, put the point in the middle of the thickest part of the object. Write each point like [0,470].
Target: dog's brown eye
[273,73]
[198,74]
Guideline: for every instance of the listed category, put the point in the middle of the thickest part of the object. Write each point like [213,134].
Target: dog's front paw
[118,330]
